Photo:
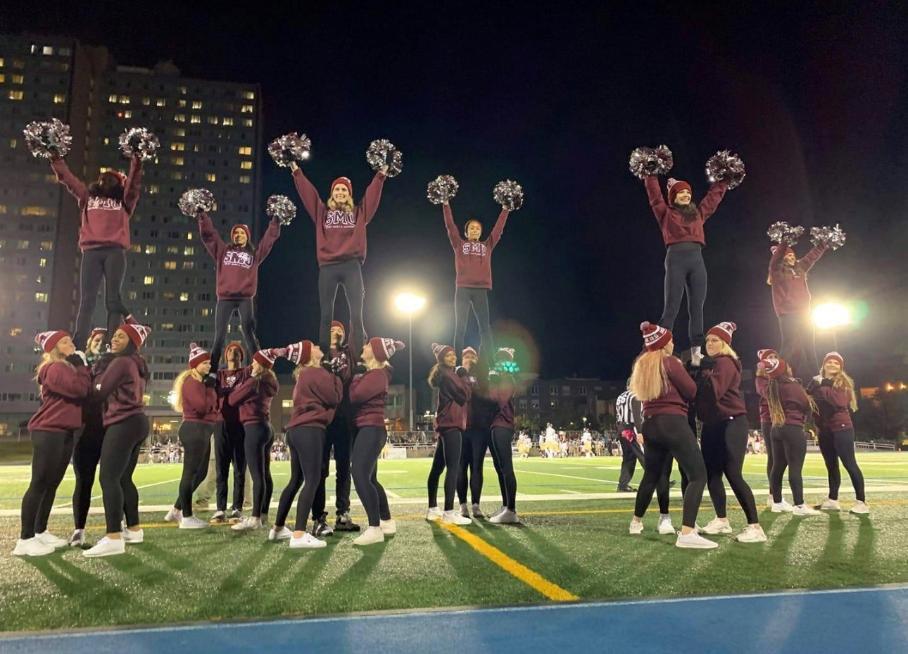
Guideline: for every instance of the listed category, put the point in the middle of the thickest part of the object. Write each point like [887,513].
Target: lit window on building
[59,98]
[160,102]
[246,109]
[151,249]
[212,120]
[47,246]
[34,211]
[177,146]
[170,265]
[245,149]
[124,99]
[188,236]
[146,102]
[40,297]
[17,79]
[176,176]
[249,95]
[227,121]
[112,98]
[15,95]
[195,120]
[131,295]
[22,245]
[188,265]
[205,312]
[176,161]
[211,177]
[15,331]
[2,78]
[2,208]
[247,122]
[188,251]
[196,104]
[179,118]
[245,179]
[152,189]
[179,132]
[246,165]
[184,297]
[149,280]
[2,62]
[42,262]
[166,326]
[47,50]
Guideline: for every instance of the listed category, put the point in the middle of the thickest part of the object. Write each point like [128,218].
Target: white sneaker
[306,542]
[694,541]
[133,536]
[464,510]
[173,515]
[782,507]
[280,534]
[477,512]
[78,538]
[191,522]
[217,518]
[506,517]
[717,526]
[454,518]
[752,534]
[49,539]
[860,508]
[247,523]
[388,527]
[373,535]
[433,514]
[830,505]
[106,547]
[665,525]
[635,528]
[769,501]
[32,547]
[498,510]
[803,509]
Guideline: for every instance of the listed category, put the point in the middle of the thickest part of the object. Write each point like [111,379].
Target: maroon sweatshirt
[676,396]
[105,222]
[675,227]
[473,259]
[237,268]
[122,385]
[789,283]
[253,397]
[367,397]
[795,402]
[63,392]
[339,235]
[762,385]
[720,397]
[316,396]
[834,405]
[227,381]
[200,403]
[453,397]
[501,391]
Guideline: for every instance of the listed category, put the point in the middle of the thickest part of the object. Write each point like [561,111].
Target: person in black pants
[761,384]
[502,386]
[228,438]
[476,437]
[631,452]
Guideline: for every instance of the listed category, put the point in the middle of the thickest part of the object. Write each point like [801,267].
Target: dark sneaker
[345,523]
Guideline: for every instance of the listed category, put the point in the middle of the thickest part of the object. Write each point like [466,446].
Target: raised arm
[451,228]
[71,183]
[270,237]
[498,229]
[809,259]
[710,203]
[311,202]
[133,185]
[72,383]
[372,197]
[776,259]
[210,237]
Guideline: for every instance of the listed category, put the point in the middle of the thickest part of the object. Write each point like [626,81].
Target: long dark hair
[108,185]
[129,351]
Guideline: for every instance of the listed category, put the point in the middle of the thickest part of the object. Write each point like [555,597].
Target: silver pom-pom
[651,161]
[139,142]
[442,189]
[196,200]
[281,207]
[831,237]
[290,148]
[509,194]
[725,166]
[783,233]
[48,139]
[382,153]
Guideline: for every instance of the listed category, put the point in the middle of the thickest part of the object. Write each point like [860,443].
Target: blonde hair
[348,206]
[176,395]
[843,380]
[48,358]
[774,400]
[649,379]
[727,350]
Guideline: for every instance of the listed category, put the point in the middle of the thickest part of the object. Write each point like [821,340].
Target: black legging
[666,437]
[348,274]
[791,448]
[196,440]
[724,445]
[473,453]
[504,465]
[798,346]
[107,264]
[840,445]
[228,449]
[257,443]
[86,455]
[51,451]
[119,456]
[447,456]
[766,431]
[630,454]
[223,311]
[367,447]
[663,485]
[340,438]
[478,299]
[685,272]
[306,445]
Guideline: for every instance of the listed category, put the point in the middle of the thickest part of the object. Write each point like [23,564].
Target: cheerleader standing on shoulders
[761,383]
[199,405]
[253,399]
[367,399]
[120,381]
[501,391]
[833,391]
[316,396]
[450,421]
[720,405]
[64,383]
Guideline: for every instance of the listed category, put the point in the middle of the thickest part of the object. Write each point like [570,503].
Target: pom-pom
[290,148]
[651,161]
[783,233]
[725,166]
[139,142]
[442,189]
[196,200]
[48,139]
[509,194]
[281,208]
[831,237]
[382,153]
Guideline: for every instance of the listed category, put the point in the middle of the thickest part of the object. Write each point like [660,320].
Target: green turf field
[574,538]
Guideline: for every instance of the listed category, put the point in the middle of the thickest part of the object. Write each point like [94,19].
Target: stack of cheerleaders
[92,381]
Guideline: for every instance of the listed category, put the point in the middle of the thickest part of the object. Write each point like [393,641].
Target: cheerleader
[120,382]
[367,400]
[660,381]
[228,438]
[833,391]
[761,383]
[237,278]
[476,437]
[720,405]
[450,422]
[199,405]
[64,383]
[501,392]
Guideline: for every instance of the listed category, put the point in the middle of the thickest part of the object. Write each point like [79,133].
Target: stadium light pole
[410,304]
[830,316]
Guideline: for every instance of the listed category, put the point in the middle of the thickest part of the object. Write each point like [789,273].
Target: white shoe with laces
[717,526]
[433,514]
[752,534]
[454,518]
[49,539]
[782,507]
[665,525]
[134,536]
[32,547]
[803,509]
[694,541]
[500,509]
[635,528]
[830,505]
[388,527]
[248,523]
[173,515]
[306,542]
[191,522]
[281,533]
[860,508]
[506,517]
[371,536]
[106,547]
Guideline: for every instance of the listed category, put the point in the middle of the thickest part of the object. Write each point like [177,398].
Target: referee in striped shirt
[629,417]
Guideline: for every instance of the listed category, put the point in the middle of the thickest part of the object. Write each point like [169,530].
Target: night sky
[815,102]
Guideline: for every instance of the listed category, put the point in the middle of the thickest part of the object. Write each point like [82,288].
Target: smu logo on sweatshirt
[230,381]
[474,248]
[106,204]
[337,219]
[240,258]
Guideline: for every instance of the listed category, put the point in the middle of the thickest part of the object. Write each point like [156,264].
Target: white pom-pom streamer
[281,208]
[651,161]
[831,237]
[48,139]
[382,153]
[508,194]
[139,142]
[290,148]
[442,189]
[725,166]
[783,233]
[195,201]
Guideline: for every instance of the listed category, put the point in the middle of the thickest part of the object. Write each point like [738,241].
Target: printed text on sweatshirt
[473,259]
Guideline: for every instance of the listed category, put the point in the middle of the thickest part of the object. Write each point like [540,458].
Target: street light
[831,316]
[410,304]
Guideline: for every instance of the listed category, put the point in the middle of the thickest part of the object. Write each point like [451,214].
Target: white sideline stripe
[555,474]
[569,492]
[98,497]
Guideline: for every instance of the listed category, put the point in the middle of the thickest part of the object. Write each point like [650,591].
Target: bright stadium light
[831,315]
[410,304]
